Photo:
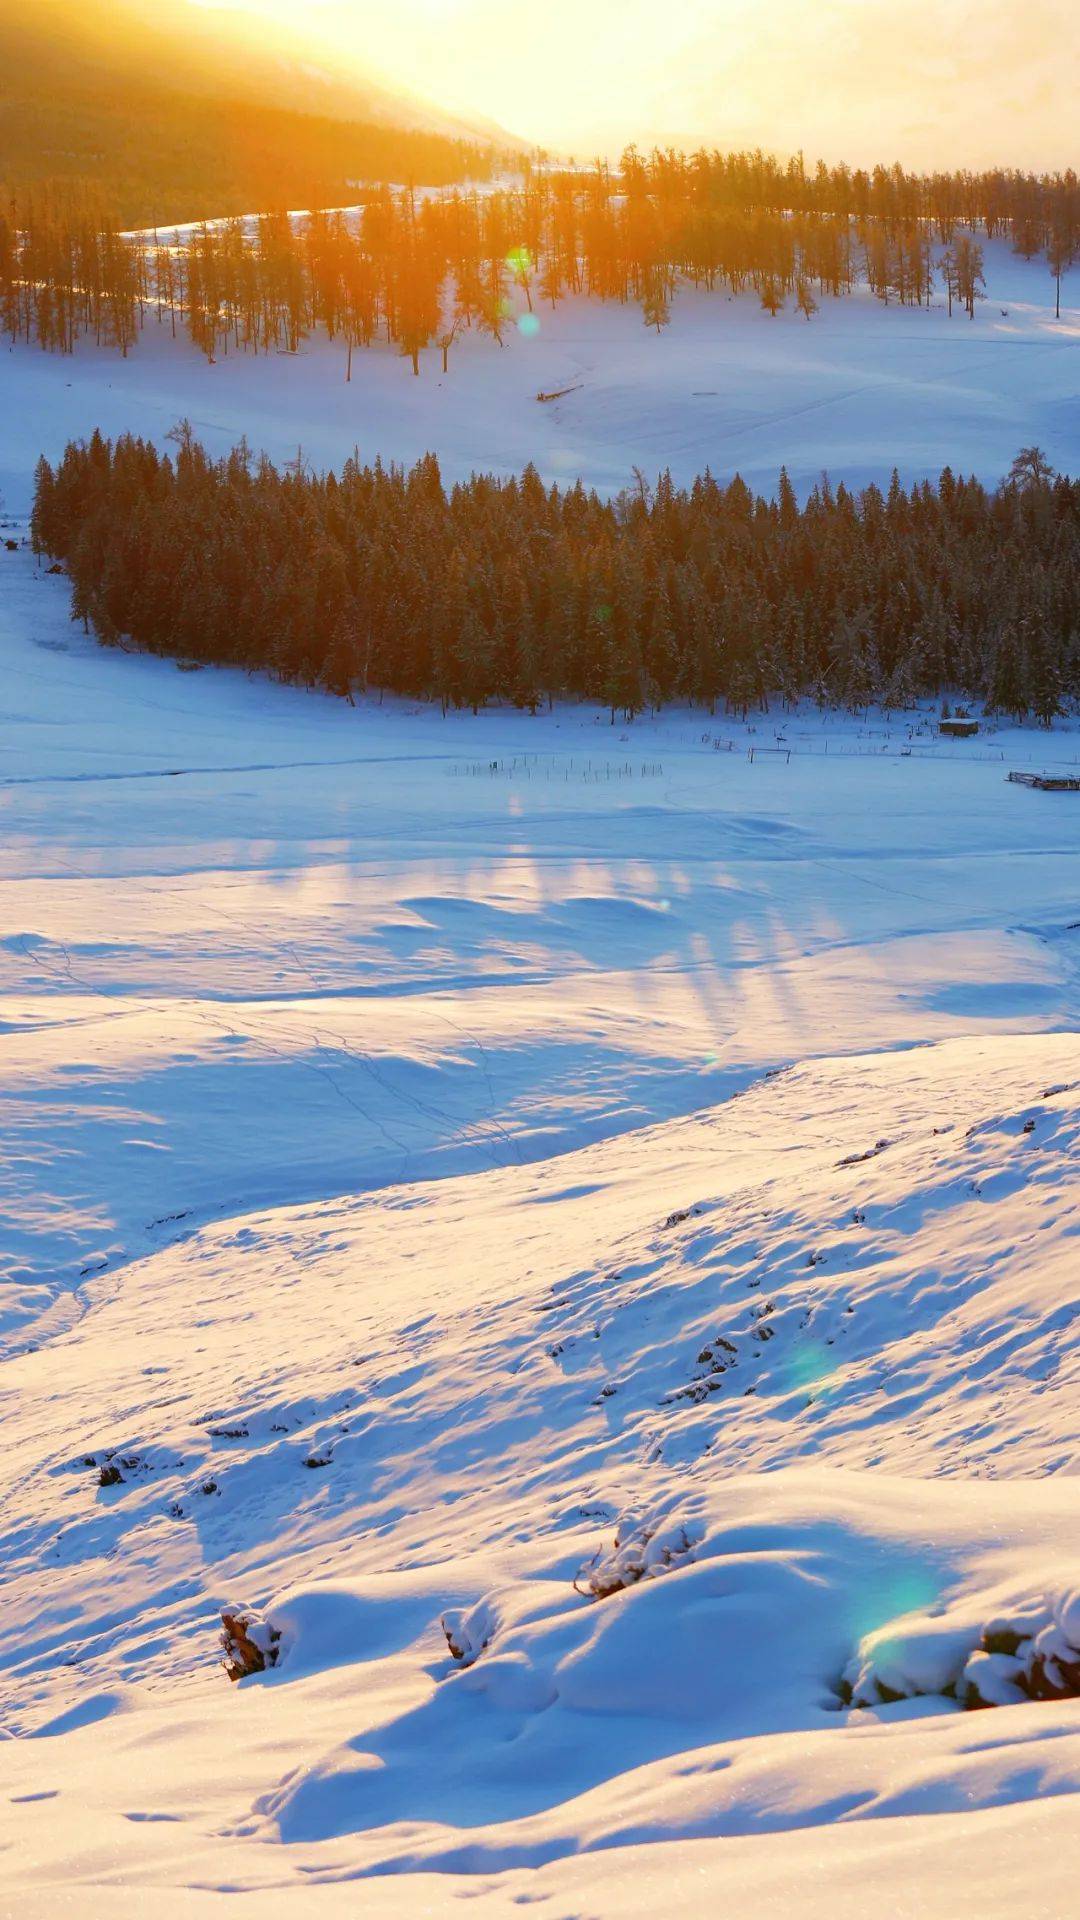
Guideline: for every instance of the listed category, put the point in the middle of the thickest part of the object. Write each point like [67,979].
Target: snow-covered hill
[856,391]
[437,1150]
[822,1337]
[170,47]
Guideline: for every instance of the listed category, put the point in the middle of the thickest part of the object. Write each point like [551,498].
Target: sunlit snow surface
[856,390]
[357,1066]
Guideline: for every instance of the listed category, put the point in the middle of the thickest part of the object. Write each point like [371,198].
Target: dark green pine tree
[706,664]
[331,604]
[787,505]
[47,534]
[861,682]
[472,656]
[526,689]
[790,652]
[902,686]
[1043,676]
[340,665]
[290,647]
[659,651]
[624,682]
[1006,692]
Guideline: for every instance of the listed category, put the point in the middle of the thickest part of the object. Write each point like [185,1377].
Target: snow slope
[857,390]
[359,1414]
[258,947]
[432,1149]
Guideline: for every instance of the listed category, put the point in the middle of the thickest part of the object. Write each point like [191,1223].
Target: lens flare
[890,1597]
[812,1367]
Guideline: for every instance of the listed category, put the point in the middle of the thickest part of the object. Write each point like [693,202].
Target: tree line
[418,269]
[508,590]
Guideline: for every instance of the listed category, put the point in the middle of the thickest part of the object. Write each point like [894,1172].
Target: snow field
[856,391]
[433,1198]
[806,1354]
[259,947]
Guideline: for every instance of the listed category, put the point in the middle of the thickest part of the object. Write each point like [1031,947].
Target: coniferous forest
[416,269]
[507,590]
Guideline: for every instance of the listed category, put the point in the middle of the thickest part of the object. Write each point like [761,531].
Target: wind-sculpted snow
[359,1415]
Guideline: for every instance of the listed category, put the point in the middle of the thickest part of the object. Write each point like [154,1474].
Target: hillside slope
[860,389]
[200,50]
[821,1338]
[177,113]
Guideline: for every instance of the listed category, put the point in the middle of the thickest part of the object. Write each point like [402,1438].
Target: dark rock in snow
[250,1645]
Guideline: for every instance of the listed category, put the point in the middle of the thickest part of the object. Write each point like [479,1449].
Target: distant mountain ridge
[179,113]
[202,51]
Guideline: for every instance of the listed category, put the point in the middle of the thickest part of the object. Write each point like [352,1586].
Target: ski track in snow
[413,1175]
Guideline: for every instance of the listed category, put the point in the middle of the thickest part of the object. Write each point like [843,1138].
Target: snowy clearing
[259,947]
[855,391]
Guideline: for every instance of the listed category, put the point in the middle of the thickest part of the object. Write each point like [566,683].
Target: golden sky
[931,82]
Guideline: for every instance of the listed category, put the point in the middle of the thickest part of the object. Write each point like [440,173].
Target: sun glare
[847,79]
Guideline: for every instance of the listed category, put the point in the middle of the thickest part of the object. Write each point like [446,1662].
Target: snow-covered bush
[992,1680]
[1030,1653]
[642,1549]
[468,1631]
[907,1659]
[249,1643]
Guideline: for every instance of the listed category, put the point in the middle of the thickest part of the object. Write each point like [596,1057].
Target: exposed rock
[467,1632]
[249,1644]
